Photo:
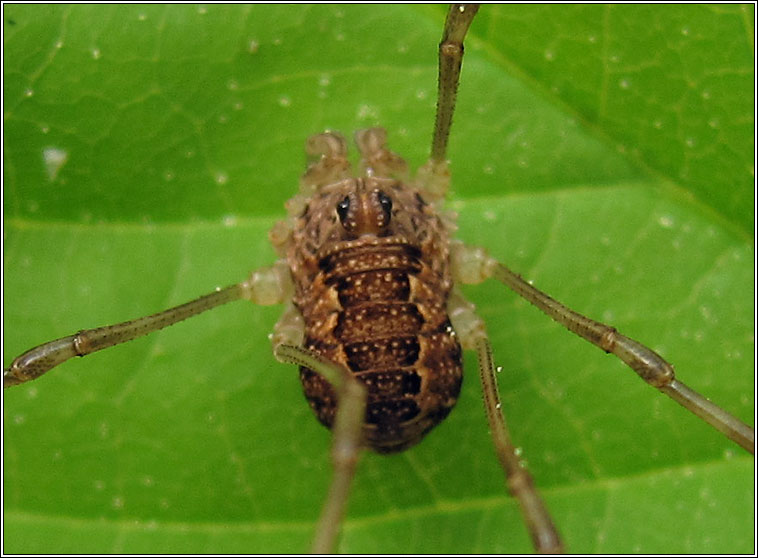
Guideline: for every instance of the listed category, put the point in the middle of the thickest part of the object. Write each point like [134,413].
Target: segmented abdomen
[379,310]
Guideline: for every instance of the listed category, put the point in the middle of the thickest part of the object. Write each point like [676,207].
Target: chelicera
[372,317]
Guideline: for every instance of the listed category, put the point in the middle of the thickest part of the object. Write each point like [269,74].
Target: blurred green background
[604,152]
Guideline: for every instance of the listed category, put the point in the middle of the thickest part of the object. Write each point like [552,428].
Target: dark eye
[343,208]
[386,202]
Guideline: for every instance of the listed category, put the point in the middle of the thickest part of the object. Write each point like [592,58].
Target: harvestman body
[372,315]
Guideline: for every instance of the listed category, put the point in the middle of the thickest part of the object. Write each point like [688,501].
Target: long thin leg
[471,331]
[347,444]
[458,20]
[265,286]
[434,176]
[474,265]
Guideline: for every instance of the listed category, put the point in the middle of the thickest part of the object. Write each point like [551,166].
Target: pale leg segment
[473,265]
[470,330]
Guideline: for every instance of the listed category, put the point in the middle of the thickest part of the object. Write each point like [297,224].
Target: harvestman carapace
[372,316]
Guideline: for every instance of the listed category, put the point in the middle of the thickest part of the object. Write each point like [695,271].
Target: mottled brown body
[370,262]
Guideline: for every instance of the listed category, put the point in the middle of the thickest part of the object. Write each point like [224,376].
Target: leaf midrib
[411,512]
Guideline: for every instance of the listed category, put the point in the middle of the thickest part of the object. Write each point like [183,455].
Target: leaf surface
[148,150]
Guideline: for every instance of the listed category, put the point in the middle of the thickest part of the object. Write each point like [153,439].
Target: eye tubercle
[365,213]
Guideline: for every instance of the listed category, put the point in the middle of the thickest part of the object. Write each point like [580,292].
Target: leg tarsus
[269,285]
[35,362]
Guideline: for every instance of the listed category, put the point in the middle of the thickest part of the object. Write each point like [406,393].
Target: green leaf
[148,149]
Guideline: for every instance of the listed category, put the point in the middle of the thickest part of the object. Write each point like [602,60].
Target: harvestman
[372,315]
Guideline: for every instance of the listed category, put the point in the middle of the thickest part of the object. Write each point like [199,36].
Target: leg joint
[608,339]
[81,343]
[451,49]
